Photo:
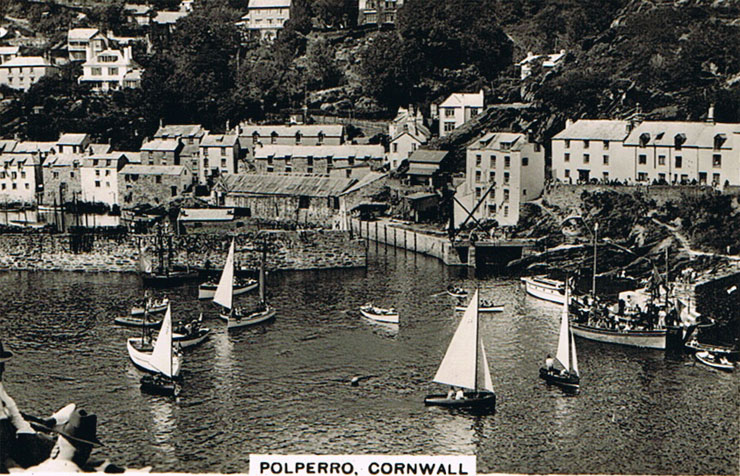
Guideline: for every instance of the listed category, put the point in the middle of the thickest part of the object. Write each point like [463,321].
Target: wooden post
[394,238]
[385,234]
[415,242]
[405,247]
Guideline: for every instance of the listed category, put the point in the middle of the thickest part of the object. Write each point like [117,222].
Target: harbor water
[284,387]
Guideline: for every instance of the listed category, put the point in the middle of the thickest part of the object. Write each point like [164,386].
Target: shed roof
[31,61]
[313,130]
[72,139]
[289,185]
[219,140]
[428,156]
[161,145]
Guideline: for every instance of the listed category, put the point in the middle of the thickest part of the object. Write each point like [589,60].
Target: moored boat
[379,314]
[651,339]
[151,307]
[485,306]
[138,322]
[545,288]
[715,360]
[464,369]
[208,290]
[568,376]
[192,338]
[457,291]
[159,385]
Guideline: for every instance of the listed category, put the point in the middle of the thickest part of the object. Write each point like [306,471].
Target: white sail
[564,339]
[145,263]
[224,292]
[161,358]
[573,358]
[458,368]
[483,372]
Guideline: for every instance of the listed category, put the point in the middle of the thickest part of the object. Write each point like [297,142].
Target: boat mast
[262,270]
[160,251]
[593,279]
[477,341]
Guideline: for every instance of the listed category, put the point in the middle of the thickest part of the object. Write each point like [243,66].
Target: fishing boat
[167,273]
[207,290]
[152,306]
[235,317]
[379,314]
[149,358]
[485,306]
[456,291]
[545,288]
[191,334]
[465,366]
[715,360]
[568,377]
[651,339]
[138,322]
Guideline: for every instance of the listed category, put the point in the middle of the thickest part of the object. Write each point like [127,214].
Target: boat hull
[140,311]
[703,357]
[474,401]
[483,309]
[554,378]
[389,318]
[457,295]
[141,359]
[250,320]
[174,278]
[545,291]
[645,339]
[165,387]
[185,341]
[137,322]
[209,291]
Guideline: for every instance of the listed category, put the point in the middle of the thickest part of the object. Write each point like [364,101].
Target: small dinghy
[138,322]
[191,334]
[153,359]
[465,366]
[715,360]
[208,290]
[456,291]
[379,314]
[152,307]
[485,306]
[159,385]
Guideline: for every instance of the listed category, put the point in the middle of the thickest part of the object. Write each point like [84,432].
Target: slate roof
[428,156]
[334,151]
[286,185]
[329,130]
[72,139]
[595,129]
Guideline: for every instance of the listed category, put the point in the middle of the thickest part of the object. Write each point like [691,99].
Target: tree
[387,77]
[323,71]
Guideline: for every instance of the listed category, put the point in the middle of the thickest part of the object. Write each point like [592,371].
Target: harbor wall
[287,250]
[567,196]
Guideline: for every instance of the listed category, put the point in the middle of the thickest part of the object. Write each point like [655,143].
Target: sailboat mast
[160,251]
[477,342]
[262,271]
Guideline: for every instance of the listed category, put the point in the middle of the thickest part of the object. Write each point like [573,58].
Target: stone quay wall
[566,196]
[287,250]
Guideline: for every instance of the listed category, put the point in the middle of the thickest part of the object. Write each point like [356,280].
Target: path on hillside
[686,244]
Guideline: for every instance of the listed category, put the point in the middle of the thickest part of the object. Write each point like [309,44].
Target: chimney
[568,123]
[127,55]
[161,123]
[710,114]
[89,53]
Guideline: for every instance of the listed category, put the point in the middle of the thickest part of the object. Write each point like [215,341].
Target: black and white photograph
[370,237]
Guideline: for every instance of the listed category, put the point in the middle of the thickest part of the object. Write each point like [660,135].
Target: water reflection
[455,432]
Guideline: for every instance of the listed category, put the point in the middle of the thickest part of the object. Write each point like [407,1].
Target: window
[491,208]
[329,163]
[309,161]
[661,177]
[506,194]
[309,170]
[288,168]
[223,163]
[492,176]
[107,184]
[270,168]
[349,173]
[298,137]
[3,187]
[606,160]
[158,179]
[493,161]
[54,174]
[525,161]
[223,151]
[507,162]
[679,161]
[273,138]
[567,173]
[27,186]
[506,211]
[113,71]
[23,174]
[567,143]
[97,172]
[304,202]
[321,138]
[506,178]
[107,172]
[97,183]
[717,160]
[14,175]
[703,178]
[477,192]
[642,176]
[95,161]
[449,126]
[566,157]
[586,158]
[350,160]
[477,176]
[642,159]
[449,112]
[606,176]
[585,144]
[173,190]
[661,160]
[715,179]
[15,186]
[477,160]
[71,175]
[719,139]
[96,71]
[524,192]
[606,145]
[395,147]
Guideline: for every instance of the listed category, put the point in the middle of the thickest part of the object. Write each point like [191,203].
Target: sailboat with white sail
[208,289]
[224,296]
[160,359]
[568,376]
[465,367]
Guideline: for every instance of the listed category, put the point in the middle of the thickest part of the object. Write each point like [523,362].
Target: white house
[267,17]
[317,159]
[458,109]
[23,71]
[110,70]
[407,133]
[80,39]
[219,154]
[548,62]
[378,12]
[20,177]
[99,177]
[502,170]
